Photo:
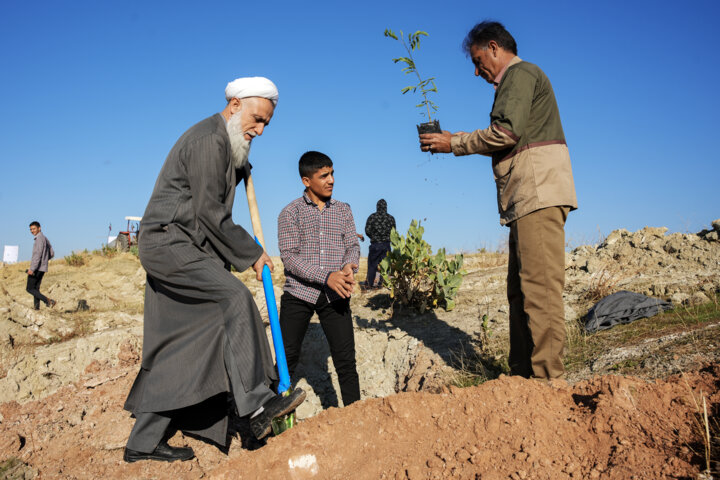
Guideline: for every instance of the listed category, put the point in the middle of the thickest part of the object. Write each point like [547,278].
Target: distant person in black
[378,228]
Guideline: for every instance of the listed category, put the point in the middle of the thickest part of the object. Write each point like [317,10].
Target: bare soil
[610,427]
[65,373]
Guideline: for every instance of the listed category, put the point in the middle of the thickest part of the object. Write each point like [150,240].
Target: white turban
[252,87]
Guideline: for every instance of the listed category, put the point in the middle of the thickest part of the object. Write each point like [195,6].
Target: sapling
[424,86]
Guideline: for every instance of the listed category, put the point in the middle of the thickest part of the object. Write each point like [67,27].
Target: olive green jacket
[525,139]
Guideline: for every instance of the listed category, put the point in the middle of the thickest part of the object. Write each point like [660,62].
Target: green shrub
[134,250]
[107,251]
[417,278]
[75,260]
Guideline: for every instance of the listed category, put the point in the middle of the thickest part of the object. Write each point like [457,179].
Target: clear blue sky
[94,95]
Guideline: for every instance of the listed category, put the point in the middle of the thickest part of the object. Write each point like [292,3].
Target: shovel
[279,424]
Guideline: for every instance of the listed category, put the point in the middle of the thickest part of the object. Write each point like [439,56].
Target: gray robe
[203,334]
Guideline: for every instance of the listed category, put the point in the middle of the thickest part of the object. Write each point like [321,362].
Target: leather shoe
[163,452]
[277,406]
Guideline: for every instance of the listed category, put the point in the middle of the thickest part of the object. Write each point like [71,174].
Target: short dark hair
[488,30]
[35,224]
[311,162]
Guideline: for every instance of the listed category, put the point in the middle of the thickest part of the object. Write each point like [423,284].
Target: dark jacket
[379,224]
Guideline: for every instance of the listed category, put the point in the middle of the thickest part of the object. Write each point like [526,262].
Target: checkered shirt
[313,244]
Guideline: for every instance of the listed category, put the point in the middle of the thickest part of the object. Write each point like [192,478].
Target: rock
[716,225]
[117,445]
[679,298]
[698,298]
[50,367]
[674,243]
[657,232]
[614,237]
[388,361]
[594,265]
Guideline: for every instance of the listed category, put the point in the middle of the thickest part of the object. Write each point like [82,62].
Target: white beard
[240,147]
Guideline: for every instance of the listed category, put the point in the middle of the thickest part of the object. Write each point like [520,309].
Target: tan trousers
[535,282]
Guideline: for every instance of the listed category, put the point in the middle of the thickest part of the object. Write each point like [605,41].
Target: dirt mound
[608,427]
[684,268]
[65,373]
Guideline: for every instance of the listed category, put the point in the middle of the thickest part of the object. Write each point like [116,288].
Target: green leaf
[394,237]
[390,33]
[404,60]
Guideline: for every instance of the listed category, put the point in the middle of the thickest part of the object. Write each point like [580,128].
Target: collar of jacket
[514,61]
[310,202]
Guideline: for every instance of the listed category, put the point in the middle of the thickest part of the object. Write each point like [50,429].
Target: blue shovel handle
[278,345]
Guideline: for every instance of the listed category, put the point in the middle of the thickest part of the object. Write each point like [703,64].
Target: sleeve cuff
[457,144]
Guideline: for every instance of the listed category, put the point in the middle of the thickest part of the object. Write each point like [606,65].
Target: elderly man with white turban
[204,341]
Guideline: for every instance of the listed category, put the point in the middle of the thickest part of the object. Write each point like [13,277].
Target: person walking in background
[41,254]
[535,192]
[378,228]
[320,251]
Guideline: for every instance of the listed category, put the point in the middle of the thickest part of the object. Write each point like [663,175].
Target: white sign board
[10,254]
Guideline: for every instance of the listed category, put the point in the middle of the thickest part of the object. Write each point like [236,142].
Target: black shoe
[163,452]
[277,406]
[51,303]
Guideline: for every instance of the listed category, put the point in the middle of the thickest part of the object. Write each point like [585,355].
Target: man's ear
[306,181]
[493,47]
[235,105]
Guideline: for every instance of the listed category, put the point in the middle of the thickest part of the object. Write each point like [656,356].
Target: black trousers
[150,428]
[377,252]
[33,288]
[336,322]
[153,427]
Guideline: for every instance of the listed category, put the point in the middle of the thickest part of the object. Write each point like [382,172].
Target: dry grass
[484,260]
[707,427]
[583,348]
[486,361]
[608,280]
[473,368]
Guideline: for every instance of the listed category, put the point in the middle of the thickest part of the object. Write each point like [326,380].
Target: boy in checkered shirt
[320,251]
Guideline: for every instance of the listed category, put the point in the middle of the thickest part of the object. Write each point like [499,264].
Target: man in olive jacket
[203,335]
[535,193]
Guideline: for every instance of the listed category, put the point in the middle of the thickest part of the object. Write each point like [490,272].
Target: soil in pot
[429,127]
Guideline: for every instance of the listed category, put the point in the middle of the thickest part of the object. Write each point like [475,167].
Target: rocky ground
[64,374]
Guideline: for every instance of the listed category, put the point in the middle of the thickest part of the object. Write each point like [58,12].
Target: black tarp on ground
[622,307]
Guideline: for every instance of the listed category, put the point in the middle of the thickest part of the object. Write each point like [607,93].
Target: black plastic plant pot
[429,127]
